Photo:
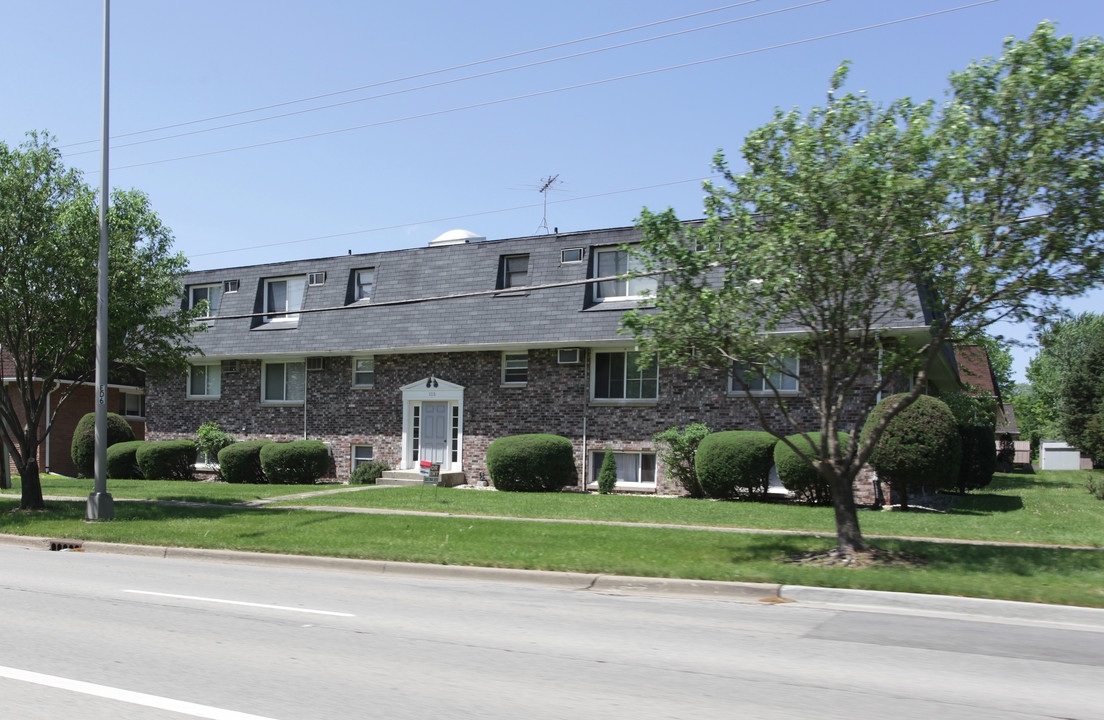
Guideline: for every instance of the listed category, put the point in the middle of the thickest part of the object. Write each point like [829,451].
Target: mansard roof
[447,297]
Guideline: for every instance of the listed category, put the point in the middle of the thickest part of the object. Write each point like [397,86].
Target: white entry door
[435,432]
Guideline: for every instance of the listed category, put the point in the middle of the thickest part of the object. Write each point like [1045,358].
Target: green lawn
[1049,508]
[1046,505]
[219,493]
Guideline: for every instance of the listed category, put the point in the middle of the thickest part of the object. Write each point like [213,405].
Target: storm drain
[57,545]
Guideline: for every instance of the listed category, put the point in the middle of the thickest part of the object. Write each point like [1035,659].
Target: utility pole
[100,504]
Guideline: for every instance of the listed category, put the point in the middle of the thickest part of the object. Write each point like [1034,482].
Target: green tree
[1082,399]
[48,285]
[607,475]
[989,206]
[1064,345]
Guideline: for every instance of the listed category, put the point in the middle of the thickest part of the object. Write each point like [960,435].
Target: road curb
[591,582]
[841,598]
[945,606]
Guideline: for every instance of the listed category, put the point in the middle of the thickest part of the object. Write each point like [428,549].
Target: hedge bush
[167,459]
[797,475]
[920,446]
[83,448]
[122,461]
[735,463]
[299,462]
[979,457]
[241,462]
[531,463]
[367,473]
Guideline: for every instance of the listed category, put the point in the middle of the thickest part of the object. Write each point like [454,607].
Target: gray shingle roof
[555,316]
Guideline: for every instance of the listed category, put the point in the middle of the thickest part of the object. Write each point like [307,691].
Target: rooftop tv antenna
[546,185]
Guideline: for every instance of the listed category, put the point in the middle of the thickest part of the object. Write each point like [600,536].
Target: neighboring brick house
[125,396]
[432,353]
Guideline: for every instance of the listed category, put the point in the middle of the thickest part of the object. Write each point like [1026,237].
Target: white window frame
[355,461]
[507,273]
[598,456]
[629,373]
[371,361]
[784,383]
[284,400]
[623,262]
[514,360]
[212,311]
[315,279]
[124,398]
[216,373]
[230,286]
[294,289]
[563,255]
[360,287]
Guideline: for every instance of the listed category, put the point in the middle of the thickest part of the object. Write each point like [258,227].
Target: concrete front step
[413,477]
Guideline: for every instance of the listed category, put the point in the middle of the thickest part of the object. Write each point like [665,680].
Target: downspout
[306,377]
[586,399]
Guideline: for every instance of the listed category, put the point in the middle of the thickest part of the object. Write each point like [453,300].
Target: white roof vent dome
[455,237]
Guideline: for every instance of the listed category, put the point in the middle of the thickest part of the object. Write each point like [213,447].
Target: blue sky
[464,153]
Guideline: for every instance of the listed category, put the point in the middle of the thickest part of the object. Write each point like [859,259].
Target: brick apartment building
[431,353]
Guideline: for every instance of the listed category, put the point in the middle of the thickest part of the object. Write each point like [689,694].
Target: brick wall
[83,400]
[555,400]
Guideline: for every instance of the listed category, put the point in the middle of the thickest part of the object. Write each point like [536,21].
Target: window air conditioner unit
[314,364]
[569,356]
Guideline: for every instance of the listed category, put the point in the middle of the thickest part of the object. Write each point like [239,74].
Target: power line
[577,86]
[446,219]
[420,75]
[475,76]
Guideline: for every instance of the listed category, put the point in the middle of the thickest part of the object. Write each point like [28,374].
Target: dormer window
[198,294]
[283,295]
[609,262]
[515,271]
[365,280]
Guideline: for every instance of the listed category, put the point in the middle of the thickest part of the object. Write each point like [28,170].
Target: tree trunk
[849,539]
[902,496]
[32,484]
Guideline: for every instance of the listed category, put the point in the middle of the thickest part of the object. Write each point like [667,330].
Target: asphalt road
[91,636]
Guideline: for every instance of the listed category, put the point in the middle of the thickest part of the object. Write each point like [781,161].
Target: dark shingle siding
[528,317]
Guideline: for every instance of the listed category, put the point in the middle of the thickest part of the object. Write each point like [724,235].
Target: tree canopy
[1067,382]
[864,238]
[49,241]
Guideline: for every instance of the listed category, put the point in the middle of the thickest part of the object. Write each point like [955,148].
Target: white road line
[238,602]
[127,696]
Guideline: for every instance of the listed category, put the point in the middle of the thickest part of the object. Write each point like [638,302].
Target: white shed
[1059,455]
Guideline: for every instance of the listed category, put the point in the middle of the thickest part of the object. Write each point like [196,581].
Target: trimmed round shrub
[979,456]
[167,459]
[367,473]
[797,475]
[531,463]
[920,446]
[122,460]
[299,462]
[241,462]
[83,448]
[735,463]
